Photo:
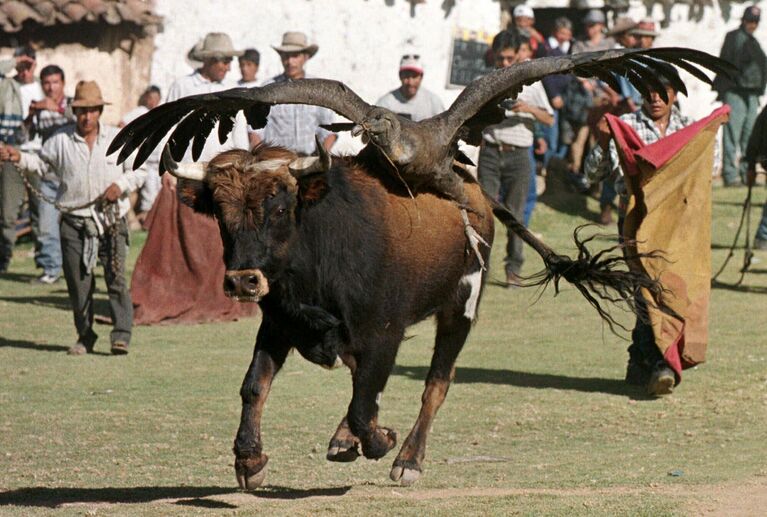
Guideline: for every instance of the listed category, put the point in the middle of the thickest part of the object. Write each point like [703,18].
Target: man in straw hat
[294,125]
[645,33]
[94,226]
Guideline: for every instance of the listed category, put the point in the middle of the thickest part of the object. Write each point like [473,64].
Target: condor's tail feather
[600,277]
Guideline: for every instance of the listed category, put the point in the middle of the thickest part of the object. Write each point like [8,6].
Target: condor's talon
[474,238]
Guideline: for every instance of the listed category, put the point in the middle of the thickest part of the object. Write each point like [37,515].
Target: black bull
[346,261]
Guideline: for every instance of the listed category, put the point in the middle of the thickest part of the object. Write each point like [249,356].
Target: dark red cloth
[180,272]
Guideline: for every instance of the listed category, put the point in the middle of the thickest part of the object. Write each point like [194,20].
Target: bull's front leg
[268,357]
[374,366]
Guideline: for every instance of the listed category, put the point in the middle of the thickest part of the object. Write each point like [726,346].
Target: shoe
[662,380]
[47,279]
[637,374]
[84,345]
[760,244]
[119,348]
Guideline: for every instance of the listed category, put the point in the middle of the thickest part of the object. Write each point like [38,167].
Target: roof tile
[14,13]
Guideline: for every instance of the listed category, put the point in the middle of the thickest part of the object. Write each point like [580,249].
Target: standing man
[756,153]
[49,115]
[410,100]
[742,92]
[524,21]
[655,120]
[645,33]
[504,157]
[294,126]
[97,228]
[16,95]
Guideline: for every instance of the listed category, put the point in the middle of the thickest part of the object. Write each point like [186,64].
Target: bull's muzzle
[247,285]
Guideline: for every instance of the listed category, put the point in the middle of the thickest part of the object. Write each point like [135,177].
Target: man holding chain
[93,199]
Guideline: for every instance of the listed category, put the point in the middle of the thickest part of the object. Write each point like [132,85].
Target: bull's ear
[196,195]
[311,189]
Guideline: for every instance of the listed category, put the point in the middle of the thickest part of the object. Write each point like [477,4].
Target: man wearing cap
[524,18]
[410,100]
[16,95]
[742,92]
[645,33]
[294,126]
[594,21]
[95,227]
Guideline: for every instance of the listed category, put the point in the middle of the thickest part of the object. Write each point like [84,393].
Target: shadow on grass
[22,278]
[743,288]
[30,345]
[465,375]
[60,302]
[185,495]
[53,497]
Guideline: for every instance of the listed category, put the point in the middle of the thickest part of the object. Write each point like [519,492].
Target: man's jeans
[737,131]
[46,225]
[507,173]
[761,232]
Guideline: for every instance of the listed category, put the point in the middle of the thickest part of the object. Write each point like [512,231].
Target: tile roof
[14,13]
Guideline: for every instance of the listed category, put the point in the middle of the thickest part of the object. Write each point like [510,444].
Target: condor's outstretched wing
[194,117]
[478,105]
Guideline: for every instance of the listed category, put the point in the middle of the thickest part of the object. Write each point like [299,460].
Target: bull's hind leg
[268,357]
[452,329]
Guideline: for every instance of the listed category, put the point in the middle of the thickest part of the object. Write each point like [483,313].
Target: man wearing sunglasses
[410,100]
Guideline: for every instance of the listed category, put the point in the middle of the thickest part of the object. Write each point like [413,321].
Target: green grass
[539,388]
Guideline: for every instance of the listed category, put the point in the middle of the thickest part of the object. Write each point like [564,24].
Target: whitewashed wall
[361,40]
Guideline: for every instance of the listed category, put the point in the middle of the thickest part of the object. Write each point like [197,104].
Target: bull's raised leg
[268,357]
[452,330]
[369,379]
[344,446]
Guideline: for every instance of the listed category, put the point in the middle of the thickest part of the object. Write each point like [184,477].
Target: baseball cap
[411,62]
[594,16]
[752,14]
[523,11]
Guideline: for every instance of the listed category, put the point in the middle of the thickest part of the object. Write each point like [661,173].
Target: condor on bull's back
[344,258]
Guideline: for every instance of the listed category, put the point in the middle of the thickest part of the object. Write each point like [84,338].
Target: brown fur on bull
[355,245]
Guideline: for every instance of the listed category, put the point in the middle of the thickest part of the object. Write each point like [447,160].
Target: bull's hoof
[405,474]
[344,451]
[250,472]
[380,442]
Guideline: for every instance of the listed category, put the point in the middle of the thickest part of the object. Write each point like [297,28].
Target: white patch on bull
[474,281]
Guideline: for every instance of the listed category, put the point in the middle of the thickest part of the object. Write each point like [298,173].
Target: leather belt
[505,148]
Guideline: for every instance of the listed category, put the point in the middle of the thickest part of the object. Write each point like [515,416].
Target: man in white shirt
[410,100]
[16,95]
[94,193]
[294,126]
[504,158]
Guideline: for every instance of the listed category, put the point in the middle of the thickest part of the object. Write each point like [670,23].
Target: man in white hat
[524,19]
[410,100]
[94,227]
[216,53]
[294,126]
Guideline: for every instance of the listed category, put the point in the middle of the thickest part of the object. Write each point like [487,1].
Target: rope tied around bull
[109,209]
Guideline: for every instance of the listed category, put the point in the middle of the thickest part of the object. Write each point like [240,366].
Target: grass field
[538,421]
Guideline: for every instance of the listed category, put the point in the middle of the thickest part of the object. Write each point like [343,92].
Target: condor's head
[253,196]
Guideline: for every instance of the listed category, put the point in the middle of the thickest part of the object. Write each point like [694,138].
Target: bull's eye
[280,211]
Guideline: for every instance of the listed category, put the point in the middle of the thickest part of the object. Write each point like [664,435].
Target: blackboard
[468,58]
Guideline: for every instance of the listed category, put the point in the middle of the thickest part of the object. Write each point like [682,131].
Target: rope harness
[110,209]
[748,254]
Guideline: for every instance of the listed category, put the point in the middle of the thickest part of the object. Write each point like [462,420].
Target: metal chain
[110,210]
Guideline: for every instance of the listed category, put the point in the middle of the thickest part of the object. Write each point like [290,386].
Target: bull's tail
[599,277]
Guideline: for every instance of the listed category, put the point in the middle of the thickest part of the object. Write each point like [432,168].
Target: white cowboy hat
[293,41]
[214,45]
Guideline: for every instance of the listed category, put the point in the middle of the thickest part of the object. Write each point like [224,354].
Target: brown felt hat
[622,24]
[88,95]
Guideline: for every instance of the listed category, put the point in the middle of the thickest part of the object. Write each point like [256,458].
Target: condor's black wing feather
[194,117]
[478,105]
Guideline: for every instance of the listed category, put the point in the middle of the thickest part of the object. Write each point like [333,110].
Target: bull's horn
[310,164]
[189,171]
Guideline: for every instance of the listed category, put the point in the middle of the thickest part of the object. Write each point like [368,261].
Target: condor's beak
[190,171]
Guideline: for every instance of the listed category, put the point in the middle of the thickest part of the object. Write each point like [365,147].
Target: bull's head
[253,196]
